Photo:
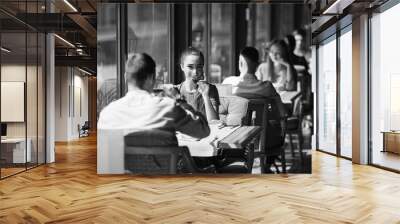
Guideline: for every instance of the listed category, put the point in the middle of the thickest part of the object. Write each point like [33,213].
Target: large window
[221,42]
[148,32]
[345,58]
[107,55]
[385,83]
[335,93]
[327,95]
[217,36]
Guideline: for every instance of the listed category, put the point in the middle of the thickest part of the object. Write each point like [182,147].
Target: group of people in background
[278,72]
[190,104]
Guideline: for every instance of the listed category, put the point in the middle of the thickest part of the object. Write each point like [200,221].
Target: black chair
[157,152]
[270,144]
[84,129]
[300,105]
[294,125]
[233,111]
[272,138]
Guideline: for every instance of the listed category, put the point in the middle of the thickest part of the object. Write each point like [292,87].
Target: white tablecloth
[205,147]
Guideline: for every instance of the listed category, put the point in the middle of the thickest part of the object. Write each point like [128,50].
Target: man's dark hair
[191,51]
[251,56]
[139,67]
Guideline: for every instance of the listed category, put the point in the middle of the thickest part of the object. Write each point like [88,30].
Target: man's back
[139,110]
[250,87]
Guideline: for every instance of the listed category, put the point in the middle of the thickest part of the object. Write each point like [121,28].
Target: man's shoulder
[231,80]
[111,106]
[156,101]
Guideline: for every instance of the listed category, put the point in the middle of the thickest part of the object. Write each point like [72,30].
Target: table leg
[249,156]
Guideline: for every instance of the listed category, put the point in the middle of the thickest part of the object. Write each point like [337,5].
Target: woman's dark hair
[139,67]
[301,32]
[290,42]
[191,51]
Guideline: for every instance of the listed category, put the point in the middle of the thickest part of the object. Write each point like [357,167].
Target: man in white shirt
[247,85]
[140,110]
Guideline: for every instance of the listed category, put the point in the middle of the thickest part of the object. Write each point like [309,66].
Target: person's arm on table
[189,121]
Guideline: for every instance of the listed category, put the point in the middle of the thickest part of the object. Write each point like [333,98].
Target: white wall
[71,102]
[61,103]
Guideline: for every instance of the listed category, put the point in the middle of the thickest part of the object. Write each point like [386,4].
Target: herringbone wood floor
[70,191]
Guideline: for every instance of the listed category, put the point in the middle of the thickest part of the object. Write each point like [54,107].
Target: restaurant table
[226,137]
[110,144]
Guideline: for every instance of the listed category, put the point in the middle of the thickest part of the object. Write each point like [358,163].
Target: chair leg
[300,137]
[291,144]
[300,134]
[249,157]
[276,167]
[263,163]
[283,161]
[268,162]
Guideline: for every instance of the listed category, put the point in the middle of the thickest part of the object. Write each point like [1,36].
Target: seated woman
[198,93]
[247,85]
[278,68]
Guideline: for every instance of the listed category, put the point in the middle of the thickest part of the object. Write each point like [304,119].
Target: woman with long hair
[200,94]
[278,67]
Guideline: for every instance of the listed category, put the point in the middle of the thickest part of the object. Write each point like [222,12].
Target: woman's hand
[171,92]
[283,61]
[204,88]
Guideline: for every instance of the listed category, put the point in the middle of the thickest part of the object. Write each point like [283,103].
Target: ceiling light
[84,71]
[5,50]
[65,41]
[70,5]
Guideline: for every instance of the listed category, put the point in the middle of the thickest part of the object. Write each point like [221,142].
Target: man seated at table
[140,110]
[247,85]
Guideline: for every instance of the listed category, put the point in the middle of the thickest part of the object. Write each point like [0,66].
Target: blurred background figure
[302,48]
[278,67]
[299,62]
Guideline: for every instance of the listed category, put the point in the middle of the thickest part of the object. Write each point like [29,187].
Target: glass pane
[385,84]
[31,100]
[199,14]
[263,27]
[107,54]
[13,87]
[346,94]
[221,42]
[327,96]
[148,32]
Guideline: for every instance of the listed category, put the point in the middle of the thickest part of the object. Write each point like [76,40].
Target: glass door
[327,95]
